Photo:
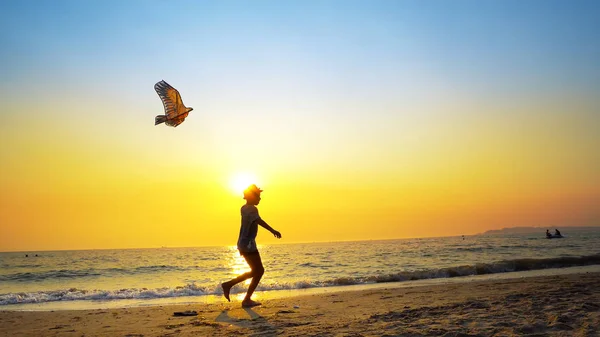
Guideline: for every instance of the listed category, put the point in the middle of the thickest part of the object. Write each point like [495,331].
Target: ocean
[87,279]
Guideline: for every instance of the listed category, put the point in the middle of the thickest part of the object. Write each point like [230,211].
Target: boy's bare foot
[249,303]
[226,290]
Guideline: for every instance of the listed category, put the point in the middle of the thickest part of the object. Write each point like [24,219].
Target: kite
[175,111]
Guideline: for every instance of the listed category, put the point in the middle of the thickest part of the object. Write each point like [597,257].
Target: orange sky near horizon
[398,129]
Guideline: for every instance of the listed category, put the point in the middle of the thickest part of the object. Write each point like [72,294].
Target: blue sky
[462,41]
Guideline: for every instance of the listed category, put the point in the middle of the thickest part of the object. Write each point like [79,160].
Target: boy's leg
[255,263]
[229,284]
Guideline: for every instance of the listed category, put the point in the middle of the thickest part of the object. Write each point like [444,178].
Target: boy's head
[252,193]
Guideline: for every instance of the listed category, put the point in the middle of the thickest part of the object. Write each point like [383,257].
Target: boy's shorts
[248,253]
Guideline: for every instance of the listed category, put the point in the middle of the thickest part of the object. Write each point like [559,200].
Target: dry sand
[567,305]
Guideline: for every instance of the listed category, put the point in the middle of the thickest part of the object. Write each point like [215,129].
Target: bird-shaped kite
[175,111]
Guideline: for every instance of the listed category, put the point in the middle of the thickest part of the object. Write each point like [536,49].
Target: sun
[241,180]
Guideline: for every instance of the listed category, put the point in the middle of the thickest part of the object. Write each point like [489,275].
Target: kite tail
[160,119]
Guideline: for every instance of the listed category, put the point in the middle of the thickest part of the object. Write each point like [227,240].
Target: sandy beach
[567,305]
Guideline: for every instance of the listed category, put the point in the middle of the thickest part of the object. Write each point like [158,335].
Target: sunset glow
[361,120]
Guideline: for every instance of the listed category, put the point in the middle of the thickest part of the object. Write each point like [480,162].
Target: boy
[247,246]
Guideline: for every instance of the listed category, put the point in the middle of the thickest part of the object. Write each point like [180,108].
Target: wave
[490,268]
[91,272]
[196,290]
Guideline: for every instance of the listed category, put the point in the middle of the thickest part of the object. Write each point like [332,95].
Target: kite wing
[175,110]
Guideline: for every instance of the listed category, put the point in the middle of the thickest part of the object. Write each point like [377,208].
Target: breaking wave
[75,294]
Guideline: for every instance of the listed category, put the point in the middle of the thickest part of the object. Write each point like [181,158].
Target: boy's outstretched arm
[265,225]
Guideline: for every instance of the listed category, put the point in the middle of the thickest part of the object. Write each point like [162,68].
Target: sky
[360,120]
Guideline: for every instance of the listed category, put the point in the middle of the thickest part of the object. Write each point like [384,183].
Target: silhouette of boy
[247,246]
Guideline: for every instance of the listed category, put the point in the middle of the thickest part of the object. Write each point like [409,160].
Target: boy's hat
[251,190]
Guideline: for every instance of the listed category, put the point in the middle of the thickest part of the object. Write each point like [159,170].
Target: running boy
[247,246]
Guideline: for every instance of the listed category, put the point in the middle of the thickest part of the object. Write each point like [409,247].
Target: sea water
[51,280]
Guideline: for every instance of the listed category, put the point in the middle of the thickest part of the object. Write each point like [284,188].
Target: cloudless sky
[360,119]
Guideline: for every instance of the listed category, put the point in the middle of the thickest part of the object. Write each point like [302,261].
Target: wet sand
[565,305]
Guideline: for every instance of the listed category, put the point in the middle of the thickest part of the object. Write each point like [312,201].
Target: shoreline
[288,293]
[543,305]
